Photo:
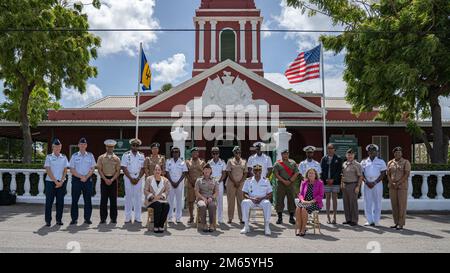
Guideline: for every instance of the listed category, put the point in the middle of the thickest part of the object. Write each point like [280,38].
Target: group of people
[247,185]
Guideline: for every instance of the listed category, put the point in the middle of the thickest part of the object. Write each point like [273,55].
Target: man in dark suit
[331,165]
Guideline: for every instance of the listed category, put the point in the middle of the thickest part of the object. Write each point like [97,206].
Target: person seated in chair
[206,191]
[309,199]
[156,191]
[257,193]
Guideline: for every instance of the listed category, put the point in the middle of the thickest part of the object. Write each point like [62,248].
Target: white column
[410,186]
[1,181]
[27,185]
[13,185]
[281,138]
[201,42]
[213,41]
[439,187]
[424,188]
[97,185]
[254,42]
[41,184]
[69,185]
[179,136]
[242,38]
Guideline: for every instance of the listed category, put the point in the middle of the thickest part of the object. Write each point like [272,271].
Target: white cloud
[292,19]
[72,98]
[130,14]
[265,26]
[334,86]
[170,70]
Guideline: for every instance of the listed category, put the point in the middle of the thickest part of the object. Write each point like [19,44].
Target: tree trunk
[25,124]
[440,147]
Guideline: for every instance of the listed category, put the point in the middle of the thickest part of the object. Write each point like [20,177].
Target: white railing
[422,203]
[26,197]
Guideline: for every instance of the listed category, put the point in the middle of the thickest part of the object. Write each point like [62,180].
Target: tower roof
[228,4]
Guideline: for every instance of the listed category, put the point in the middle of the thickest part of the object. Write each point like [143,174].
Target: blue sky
[172,53]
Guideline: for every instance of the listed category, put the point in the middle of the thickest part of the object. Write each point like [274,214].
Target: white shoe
[169,220]
[267,231]
[245,230]
[178,221]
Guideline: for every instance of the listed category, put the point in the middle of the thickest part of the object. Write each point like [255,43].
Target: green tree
[40,101]
[166,87]
[45,44]
[397,56]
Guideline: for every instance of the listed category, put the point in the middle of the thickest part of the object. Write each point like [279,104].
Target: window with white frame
[383,144]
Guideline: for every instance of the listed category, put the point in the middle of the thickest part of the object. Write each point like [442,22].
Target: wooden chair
[197,218]
[150,222]
[313,221]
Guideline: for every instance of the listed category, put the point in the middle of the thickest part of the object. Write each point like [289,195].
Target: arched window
[227,45]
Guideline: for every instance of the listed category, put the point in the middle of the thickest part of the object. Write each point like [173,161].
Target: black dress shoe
[59,223]
[395,226]
[229,222]
[399,228]
[279,221]
[102,222]
[346,223]
[353,224]
[73,222]
[88,222]
[113,221]
[372,225]
[242,222]
[292,221]
[48,224]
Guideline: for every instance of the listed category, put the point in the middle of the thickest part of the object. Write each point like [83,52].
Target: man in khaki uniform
[237,173]
[286,172]
[195,170]
[352,177]
[108,165]
[398,171]
[154,159]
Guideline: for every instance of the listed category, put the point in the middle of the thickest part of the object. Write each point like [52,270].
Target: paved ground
[22,230]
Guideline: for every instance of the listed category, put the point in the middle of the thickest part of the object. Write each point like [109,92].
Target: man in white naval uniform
[176,171]
[218,167]
[260,158]
[309,162]
[374,170]
[133,167]
[257,193]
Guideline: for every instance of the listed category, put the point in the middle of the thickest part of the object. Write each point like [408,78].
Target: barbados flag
[146,73]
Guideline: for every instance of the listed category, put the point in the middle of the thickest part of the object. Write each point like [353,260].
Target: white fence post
[424,188]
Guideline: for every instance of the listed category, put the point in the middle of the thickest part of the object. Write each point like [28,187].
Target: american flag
[305,67]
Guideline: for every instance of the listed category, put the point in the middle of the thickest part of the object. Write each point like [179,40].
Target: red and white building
[227,71]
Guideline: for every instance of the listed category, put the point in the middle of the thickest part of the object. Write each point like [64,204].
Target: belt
[350,182]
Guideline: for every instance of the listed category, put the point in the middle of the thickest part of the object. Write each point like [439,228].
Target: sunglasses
[215,153]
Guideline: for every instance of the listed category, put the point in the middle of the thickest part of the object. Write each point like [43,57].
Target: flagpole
[139,90]
[324,118]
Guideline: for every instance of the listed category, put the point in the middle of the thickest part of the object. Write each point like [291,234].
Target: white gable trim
[244,71]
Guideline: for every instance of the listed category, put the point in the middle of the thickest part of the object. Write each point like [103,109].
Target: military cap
[372,147]
[135,141]
[56,142]
[258,144]
[82,141]
[257,167]
[285,151]
[309,149]
[155,144]
[397,149]
[215,149]
[110,142]
[350,151]
[236,149]
[194,149]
